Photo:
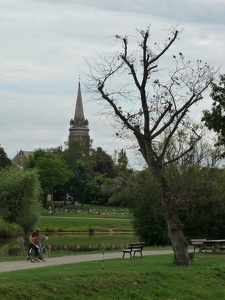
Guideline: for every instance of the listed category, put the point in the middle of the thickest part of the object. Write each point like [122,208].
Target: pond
[70,242]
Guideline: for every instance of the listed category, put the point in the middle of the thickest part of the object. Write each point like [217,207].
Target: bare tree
[152,100]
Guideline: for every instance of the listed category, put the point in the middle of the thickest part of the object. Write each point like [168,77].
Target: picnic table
[198,243]
[214,245]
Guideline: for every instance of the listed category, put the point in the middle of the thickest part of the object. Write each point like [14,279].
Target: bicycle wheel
[32,255]
[44,254]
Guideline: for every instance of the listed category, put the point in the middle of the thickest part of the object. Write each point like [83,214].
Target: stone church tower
[79,129]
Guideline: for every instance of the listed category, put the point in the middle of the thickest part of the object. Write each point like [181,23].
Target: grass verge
[153,277]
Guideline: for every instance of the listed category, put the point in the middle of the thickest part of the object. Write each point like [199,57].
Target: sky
[45,46]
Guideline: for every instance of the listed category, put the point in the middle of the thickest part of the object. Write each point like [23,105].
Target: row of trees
[80,174]
[67,172]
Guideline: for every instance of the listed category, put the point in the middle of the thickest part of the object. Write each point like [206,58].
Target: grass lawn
[63,221]
[62,224]
[152,277]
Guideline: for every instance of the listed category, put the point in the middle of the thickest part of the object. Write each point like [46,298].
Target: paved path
[53,261]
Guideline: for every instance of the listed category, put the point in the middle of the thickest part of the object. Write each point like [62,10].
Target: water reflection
[70,242]
[12,246]
[85,242]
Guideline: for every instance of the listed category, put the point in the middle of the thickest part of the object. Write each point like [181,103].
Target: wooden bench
[198,243]
[134,247]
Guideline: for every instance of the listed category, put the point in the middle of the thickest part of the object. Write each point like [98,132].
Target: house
[19,158]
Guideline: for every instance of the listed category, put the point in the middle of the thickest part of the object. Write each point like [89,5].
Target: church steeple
[79,111]
[78,125]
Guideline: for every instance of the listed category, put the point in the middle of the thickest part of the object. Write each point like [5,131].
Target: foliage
[197,182]
[8,230]
[198,186]
[77,150]
[83,189]
[140,193]
[102,163]
[149,222]
[122,162]
[111,189]
[4,160]
[20,197]
[52,169]
[215,119]
[201,194]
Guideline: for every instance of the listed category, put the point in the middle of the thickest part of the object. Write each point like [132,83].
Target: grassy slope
[153,277]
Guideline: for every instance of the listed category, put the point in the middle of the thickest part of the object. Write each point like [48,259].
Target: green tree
[149,222]
[83,189]
[156,102]
[112,193]
[197,183]
[77,150]
[202,206]
[4,160]
[20,197]
[123,164]
[52,169]
[215,119]
[102,163]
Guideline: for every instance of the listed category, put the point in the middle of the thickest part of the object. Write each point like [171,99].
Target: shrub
[10,230]
[20,197]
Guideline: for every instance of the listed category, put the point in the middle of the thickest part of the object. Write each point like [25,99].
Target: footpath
[9,266]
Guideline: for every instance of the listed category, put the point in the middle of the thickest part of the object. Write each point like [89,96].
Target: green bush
[20,197]
[10,230]
[149,223]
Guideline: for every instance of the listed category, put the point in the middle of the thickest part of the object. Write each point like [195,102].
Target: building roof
[20,156]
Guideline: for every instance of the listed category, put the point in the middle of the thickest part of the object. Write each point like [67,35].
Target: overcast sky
[45,45]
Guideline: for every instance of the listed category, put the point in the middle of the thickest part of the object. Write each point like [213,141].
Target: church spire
[79,111]
[78,125]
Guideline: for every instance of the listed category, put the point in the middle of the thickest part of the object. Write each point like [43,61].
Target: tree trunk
[175,232]
[52,203]
[64,202]
[169,208]
[44,200]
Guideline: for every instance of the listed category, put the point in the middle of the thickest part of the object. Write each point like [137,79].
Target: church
[79,129]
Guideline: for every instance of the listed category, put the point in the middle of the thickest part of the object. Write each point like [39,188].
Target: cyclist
[39,236]
[33,243]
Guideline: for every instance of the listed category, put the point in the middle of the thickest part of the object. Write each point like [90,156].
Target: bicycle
[32,255]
